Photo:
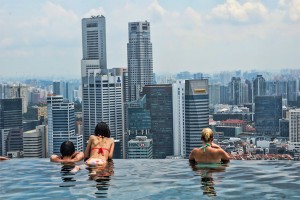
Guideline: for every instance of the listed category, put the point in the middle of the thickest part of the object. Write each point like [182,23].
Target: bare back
[100,147]
[208,155]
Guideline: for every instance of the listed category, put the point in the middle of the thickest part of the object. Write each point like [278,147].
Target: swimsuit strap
[100,150]
[204,147]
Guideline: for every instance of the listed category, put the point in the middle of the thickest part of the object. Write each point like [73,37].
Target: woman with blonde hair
[209,152]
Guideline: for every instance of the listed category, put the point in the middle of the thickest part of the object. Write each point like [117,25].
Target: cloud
[95,12]
[232,10]
[6,42]
[291,8]
[194,16]
[156,11]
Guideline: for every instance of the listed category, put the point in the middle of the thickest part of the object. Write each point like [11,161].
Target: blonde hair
[207,135]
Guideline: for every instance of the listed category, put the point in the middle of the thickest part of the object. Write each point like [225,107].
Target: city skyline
[43,38]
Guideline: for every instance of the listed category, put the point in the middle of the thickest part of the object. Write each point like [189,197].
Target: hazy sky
[43,38]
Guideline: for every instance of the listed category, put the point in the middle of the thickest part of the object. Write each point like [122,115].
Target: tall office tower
[102,89]
[281,89]
[196,112]
[139,120]
[178,98]
[34,143]
[102,100]
[14,141]
[11,113]
[292,90]
[224,94]
[57,88]
[294,127]
[284,128]
[1,91]
[139,58]
[61,125]
[235,91]
[245,97]
[270,88]
[94,42]
[125,86]
[140,148]
[214,94]
[3,138]
[249,89]
[159,102]
[19,91]
[259,87]
[268,111]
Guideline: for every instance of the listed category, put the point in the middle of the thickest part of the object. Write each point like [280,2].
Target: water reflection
[101,174]
[206,172]
[67,175]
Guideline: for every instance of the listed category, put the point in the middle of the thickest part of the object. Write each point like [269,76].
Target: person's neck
[67,157]
[204,143]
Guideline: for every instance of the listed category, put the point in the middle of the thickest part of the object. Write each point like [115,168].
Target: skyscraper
[268,111]
[102,100]
[178,98]
[61,125]
[34,142]
[139,58]
[259,86]
[294,128]
[11,113]
[57,88]
[196,112]
[235,91]
[140,148]
[94,41]
[159,102]
[102,88]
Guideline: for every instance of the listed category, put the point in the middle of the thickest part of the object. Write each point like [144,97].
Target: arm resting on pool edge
[111,151]
[88,149]
[224,157]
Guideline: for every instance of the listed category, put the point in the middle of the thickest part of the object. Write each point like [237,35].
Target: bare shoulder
[111,140]
[195,150]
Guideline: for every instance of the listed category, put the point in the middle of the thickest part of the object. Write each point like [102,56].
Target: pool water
[150,179]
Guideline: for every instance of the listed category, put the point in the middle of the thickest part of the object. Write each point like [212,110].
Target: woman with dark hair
[100,146]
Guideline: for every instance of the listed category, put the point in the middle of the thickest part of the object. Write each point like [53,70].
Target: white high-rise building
[34,143]
[102,98]
[178,99]
[294,128]
[139,58]
[61,125]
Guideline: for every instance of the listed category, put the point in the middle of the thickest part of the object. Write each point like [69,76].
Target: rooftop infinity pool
[150,179]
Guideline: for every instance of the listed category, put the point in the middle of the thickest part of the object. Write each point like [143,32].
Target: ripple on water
[150,179]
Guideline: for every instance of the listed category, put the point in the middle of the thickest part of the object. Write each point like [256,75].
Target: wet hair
[67,148]
[207,135]
[102,129]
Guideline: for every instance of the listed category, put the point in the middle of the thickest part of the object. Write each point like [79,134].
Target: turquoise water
[150,179]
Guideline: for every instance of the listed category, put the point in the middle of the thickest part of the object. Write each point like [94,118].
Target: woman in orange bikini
[100,146]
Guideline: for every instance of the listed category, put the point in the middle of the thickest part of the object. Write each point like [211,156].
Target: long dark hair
[102,129]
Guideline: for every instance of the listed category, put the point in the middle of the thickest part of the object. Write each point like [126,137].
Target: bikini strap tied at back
[204,147]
